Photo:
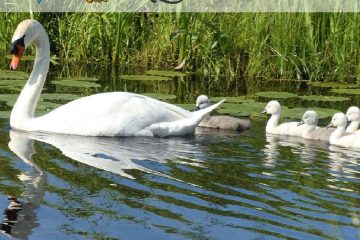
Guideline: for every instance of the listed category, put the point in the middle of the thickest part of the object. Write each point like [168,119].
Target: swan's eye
[14,49]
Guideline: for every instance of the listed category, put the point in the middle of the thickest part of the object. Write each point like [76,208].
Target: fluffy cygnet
[289,128]
[312,131]
[220,122]
[341,138]
[353,116]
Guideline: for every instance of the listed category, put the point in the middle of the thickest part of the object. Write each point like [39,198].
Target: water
[213,185]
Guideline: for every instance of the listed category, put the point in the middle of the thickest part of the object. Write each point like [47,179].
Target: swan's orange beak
[17,57]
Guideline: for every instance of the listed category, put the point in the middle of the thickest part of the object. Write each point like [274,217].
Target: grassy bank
[320,46]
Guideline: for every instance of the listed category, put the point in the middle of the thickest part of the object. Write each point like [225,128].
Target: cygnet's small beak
[263,112]
[330,125]
[197,108]
[301,123]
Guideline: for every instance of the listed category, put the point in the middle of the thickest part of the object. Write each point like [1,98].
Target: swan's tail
[184,126]
[201,114]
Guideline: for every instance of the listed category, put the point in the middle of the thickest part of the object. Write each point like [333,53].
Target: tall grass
[311,46]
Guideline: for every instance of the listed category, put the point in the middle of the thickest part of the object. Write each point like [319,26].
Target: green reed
[313,46]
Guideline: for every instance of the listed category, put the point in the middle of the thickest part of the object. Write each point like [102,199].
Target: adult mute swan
[341,138]
[220,122]
[353,116]
[289,128]
[312,131]
[105,114]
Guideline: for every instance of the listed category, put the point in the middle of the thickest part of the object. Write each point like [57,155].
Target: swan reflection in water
[342,162]
[305,148]
[115,155]
[19,217]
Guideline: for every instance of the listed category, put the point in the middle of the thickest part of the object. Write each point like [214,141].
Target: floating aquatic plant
[276,95]
[75,83]
[88,79]
[144,78]
[57,96]
[346,91]
[240,99]
[13,83]
[332,85]
[16,75]
[320,98]
[23,58]
[166,73]
[5,114]
[160,96]
[187,106]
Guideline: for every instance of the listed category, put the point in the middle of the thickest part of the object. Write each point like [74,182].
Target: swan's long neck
[353,126]
[272,122]
[24,108]
[338,133]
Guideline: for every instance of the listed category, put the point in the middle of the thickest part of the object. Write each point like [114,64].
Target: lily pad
[46,105]
[293,113]
[144,78]
[88,79]
[319,98]
[243,110]
[240,99]
[166,73]
[187,106]
[230,105]
[160,96]
[229,111]
[5,114]
[276,95]
[74,83]
[23,58]
[324,112]
[13,83]
[346,91]
[60,97]
[332,85]
[17,75]
[8,97]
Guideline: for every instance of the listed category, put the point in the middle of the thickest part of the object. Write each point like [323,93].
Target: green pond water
[213,185]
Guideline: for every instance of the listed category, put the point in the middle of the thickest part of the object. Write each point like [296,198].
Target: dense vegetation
[314,46]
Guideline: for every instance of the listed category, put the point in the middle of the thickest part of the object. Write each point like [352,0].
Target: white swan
[312,131]
[220,122]
[273,127]
[105,114]
[341,138]
[353,116]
